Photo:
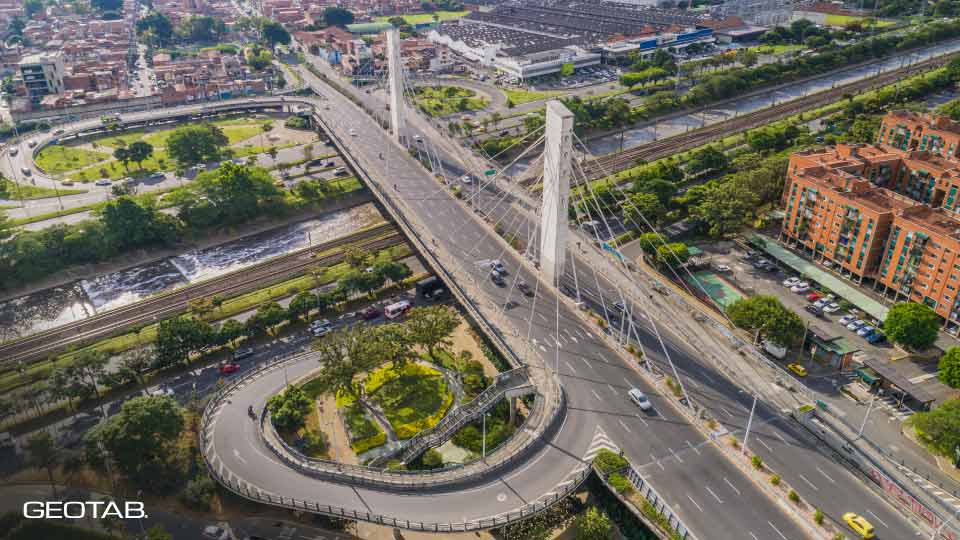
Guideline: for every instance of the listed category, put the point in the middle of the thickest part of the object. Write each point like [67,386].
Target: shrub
[620,483]
[775,479]
[609,462]
[839,536]
[818,516]
[793,496]
[757,462]
[432,459]
[313,443]
[734,442]
[362,445]
[198,493]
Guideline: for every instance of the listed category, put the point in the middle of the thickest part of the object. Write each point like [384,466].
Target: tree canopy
[193,144]
[766,314]
[337,16]
[290,408]
[949,367]
[939,429]
[274,33]
[912,325]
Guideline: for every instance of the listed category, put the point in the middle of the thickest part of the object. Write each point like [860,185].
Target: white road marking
[626,380]
[542,348]
[657,461]
[825,475]
[733,487]
[624,425]
[809,483]
[236,454]
[877,518]
[765,445]
[587,362]
[692,447]
[778,530]
[730,414]
[596,395]
[640,418]
[571,367]
[779,436]
[714,494]
[612,389]
[695,503]
[753,535]
[675,455]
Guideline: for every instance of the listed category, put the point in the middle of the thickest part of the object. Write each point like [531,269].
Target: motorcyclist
[250,411]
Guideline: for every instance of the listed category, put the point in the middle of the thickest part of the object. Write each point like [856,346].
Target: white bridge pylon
[395,71]
[557,165]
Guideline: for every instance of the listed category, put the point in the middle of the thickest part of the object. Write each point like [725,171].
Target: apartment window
[951,288]
[946,297]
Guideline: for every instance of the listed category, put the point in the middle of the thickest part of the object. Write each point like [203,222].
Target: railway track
[155,308]
[613,163]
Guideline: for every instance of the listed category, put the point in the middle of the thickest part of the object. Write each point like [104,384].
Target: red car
[229,367]
[813,297]
[369,312]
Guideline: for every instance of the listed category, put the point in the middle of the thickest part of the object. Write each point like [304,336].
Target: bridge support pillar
[513,411]
[557,155]
[395,71]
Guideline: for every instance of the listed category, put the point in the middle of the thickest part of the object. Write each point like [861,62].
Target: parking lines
[675,455]
[764,444]
[657,461]
[571,367]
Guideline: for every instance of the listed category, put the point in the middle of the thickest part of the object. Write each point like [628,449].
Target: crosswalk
[600,442]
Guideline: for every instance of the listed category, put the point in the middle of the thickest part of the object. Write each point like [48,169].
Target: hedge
[362,445]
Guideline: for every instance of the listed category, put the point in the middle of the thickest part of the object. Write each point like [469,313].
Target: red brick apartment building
[886,213]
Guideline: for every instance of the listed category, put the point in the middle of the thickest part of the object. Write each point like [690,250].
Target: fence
[659,504]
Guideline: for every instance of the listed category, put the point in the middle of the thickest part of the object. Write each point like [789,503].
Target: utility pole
[864,423]
[746,437]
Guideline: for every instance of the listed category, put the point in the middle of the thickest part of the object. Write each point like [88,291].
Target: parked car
[353,132]
[497,265]
[813,297]
[798,369]
[813,309]
[876,337]
[466,179]
[640,399]
[26,171]
[497,278]
[524,288]
[212,532]
[821,303]
[855,325]
[161,391]
[847,319]
[791,281]
[240,354]
[157,176]
[801,287]
[227,368]
[14,150]
[340,171]
[722,268]
[832,307]
[865,330]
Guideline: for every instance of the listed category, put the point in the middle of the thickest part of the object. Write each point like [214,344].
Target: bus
[397,310]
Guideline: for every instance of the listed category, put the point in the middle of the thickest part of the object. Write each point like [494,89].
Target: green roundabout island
[379,386]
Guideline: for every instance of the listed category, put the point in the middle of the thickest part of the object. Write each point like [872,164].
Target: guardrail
[659,504]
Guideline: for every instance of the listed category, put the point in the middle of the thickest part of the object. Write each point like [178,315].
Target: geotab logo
[83,510]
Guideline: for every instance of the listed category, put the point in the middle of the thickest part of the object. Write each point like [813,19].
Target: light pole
[864,423]
[746,437]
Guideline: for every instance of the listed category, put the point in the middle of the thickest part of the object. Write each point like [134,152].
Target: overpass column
[557,153]
[395,69]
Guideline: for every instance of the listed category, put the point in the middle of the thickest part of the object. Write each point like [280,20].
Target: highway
[596,391]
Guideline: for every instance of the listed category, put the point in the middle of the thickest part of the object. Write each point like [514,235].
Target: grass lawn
[843,20]
[447,100]
[775,49]
[420,18]
[519,97]
[365,434]
[413,399]
[16,191]
[56,159]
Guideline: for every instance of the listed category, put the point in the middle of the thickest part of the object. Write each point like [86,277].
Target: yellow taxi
[859,525]
[798,369]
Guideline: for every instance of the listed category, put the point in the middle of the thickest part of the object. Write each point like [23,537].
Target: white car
[14,150]
[846,319]
[722,268]
[640,399]
[821,303]
[353,132]
[832,307]
[801,287]
[855,325]
[791,281]
[212,532]
[466,179]
[102,183]
[418,138]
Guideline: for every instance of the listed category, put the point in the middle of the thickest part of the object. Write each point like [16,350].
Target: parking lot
[587,76]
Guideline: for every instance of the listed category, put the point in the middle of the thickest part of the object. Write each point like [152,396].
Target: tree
[43,454]
[768,316]
[106,5]
[356,258]
[266,317]
[157,532]
[431,326]
[193,144]
[180,337]
[141,439]
[274,33]
[156,27]
[593,525]
[301,305]
[31,7]
[432,459]
[138,152]
[336,16]
[127,224]
[912,325]
[343,356]
[122,155]
[393,270]
[643,205]
[723,206]
[232,194]
[949,367]
[202,28]
[289,409]
[939,429]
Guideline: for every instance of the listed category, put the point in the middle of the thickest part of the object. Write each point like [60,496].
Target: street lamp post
[746,437]
[864,423]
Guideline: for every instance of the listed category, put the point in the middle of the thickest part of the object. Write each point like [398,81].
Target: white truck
[774,349]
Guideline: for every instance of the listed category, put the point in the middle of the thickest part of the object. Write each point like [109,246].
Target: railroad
[613,163]
[156,308]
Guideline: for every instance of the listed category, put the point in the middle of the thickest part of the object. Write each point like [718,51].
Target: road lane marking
[657,461]
[640,418]
[809,483]
[675,455]
[730,414]
[778,530]
[876,517]
[764,444]
[612,389]
[779,436]
[571,367]
[624,425]
[753,535]
[733,487]
[825,475]
[595,394]
[714,494]
[692,447]
[236,454]
[697,505]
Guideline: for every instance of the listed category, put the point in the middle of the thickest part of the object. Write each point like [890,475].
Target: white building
[42,75]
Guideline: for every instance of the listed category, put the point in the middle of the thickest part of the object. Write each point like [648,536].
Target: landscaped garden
[519,97]
[447,100]
[421,18]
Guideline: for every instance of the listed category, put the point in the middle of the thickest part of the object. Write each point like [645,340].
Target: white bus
[396,310]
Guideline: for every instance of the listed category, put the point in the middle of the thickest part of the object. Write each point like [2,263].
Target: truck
[776,350]
[428,287]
